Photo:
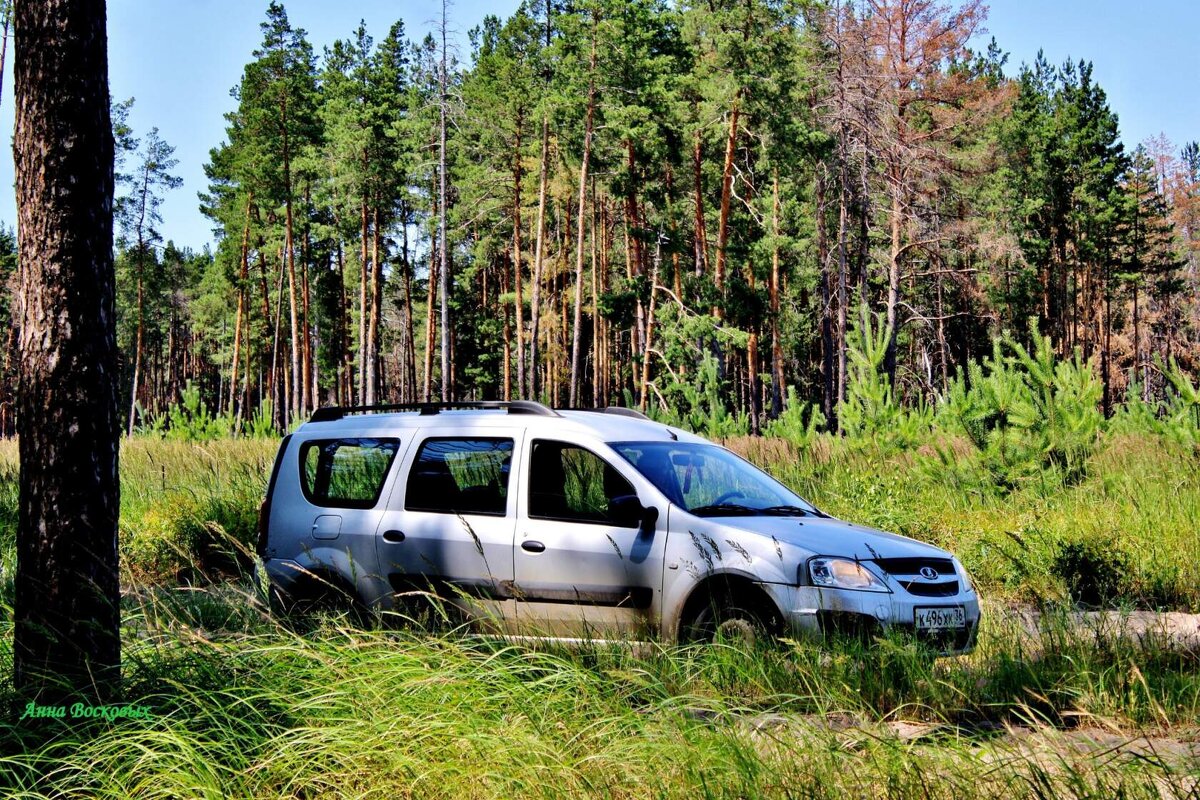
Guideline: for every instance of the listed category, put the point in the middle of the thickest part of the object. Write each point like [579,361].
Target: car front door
[585,562]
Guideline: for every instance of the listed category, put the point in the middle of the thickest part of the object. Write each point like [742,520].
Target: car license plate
[940,618]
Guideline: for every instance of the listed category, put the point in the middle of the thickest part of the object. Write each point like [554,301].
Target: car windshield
[710,481]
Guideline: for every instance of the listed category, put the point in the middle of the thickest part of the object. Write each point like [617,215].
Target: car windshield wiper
[785,511]
[724,510]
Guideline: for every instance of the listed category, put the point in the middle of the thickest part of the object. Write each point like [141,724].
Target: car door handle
[533,546]
[393,536]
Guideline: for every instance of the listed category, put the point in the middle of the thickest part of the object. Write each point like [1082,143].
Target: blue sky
[179,59]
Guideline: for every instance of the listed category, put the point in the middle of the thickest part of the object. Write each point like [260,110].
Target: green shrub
[870,412]
[1034,420]
[800,423]
[1094,571]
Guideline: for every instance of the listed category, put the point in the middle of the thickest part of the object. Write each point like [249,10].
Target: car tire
[729,622]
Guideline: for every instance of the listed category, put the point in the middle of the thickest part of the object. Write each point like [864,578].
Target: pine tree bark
[243,272]
[376,305]
[430,330]
[307,359]
[893,280]
[826,289]
[66,612]
[843,298]
[518,276]
[443,254]
[296,399]
[581,219]
[363,310]
[410,348]
[701,240]
[775,287]
[726,195]
[535,304]
[138,347]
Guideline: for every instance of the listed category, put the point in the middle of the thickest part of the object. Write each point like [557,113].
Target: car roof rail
[330,413]
[621,411]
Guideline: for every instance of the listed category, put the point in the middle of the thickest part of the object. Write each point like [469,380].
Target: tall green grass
[243,705]
[187,509]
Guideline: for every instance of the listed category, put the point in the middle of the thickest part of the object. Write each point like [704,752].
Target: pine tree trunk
[280,399]
[376,305]
[826,288]
[237,323]
[573,391]
[410,343]
[843,299]
[595,305]
[1105,354]
[307,355]
[430,329]
[345,383]
[443,254]
[701,236]
[266,312]
[1137,336]
[294,382]
[776,343]
[363,310]
[726,196]
[644,388]
[66,614]
[506,317]
[137,358]
[535,306]
[603,346]
[893,284]
[518,276]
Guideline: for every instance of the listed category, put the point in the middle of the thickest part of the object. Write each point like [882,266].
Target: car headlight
[844,573]
[963,576]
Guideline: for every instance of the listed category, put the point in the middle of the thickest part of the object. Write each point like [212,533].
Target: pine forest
[693,208]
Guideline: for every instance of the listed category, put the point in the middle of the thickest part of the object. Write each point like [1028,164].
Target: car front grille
[907,572]
[944,589]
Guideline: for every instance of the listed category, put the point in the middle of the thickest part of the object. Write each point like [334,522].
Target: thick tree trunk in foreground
[67,641]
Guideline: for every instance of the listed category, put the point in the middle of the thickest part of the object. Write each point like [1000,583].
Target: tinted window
[345,473]
[569,483]
[465,476]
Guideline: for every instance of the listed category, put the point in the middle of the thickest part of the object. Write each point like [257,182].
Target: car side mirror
[627,511]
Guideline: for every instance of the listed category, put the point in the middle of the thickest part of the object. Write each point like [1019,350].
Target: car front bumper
[816,612]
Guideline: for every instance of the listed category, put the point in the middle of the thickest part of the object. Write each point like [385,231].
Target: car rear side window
[345,473]
[460,476]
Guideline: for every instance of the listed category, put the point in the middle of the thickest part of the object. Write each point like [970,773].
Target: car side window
[345,473]
[460,476]
[569,483]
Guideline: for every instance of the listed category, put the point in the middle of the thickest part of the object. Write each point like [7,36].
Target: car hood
[832,537]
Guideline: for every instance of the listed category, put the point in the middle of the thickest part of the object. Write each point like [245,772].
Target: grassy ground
[242,705]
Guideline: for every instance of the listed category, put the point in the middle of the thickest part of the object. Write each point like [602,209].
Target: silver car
[584,523]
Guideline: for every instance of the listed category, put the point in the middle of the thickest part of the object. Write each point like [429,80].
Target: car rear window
[460,476]
[345,473]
